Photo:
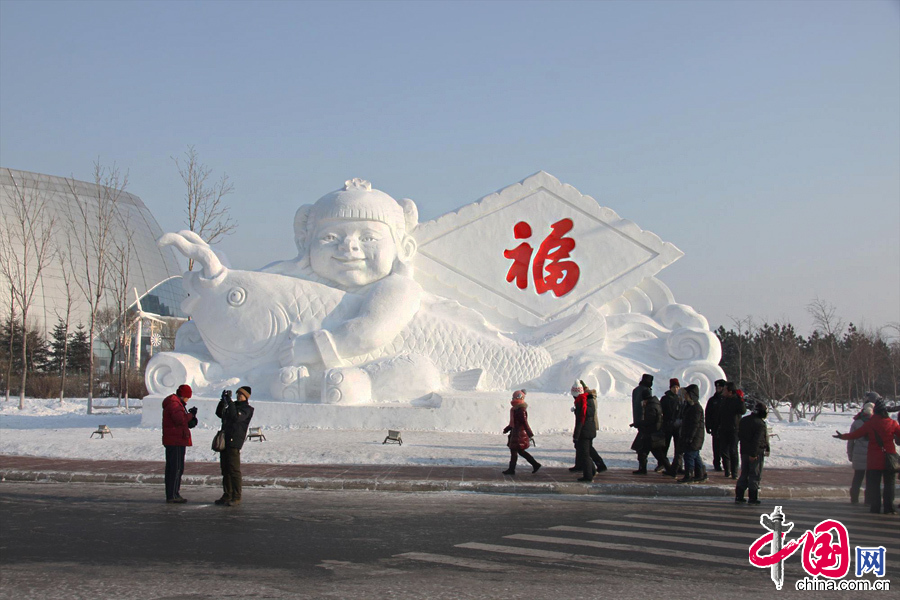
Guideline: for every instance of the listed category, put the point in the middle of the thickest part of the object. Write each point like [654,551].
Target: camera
[226,395]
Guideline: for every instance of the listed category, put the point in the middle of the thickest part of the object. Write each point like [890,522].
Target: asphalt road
[117,541]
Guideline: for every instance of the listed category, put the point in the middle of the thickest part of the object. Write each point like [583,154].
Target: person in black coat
[672,407]
[712,423]
[692,436]
[650,436]
[730,411]
[754,438]
[584,434]
[235,421]
[637,397]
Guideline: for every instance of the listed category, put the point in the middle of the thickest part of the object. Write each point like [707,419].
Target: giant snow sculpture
[532,287]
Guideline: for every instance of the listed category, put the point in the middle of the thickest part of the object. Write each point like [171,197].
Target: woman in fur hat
[520,434]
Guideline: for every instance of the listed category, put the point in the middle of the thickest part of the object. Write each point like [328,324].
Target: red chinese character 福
[549,270]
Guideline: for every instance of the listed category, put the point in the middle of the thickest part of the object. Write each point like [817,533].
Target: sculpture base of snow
[457,412]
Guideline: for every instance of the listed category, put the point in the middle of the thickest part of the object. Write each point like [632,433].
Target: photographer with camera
[235,417]
[177,422]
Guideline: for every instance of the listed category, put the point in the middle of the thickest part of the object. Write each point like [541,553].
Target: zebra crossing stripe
[752,522]
[653,536]
[687,556]
[657,526]
[455,561]
[723,522]
[646,569]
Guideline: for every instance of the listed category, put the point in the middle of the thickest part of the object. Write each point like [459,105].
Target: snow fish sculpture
[246,317]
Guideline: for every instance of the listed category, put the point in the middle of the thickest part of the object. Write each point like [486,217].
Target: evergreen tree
[37,351]
[59,348]
[79,351]
[11,340]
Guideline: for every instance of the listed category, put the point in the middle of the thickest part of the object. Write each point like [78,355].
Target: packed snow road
[102,541]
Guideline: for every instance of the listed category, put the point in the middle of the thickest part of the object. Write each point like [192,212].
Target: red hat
[740,393]
[674,381]
[184,391]
[518,398]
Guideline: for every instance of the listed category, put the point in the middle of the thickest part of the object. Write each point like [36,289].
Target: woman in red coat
[177,422]
[880,425]
[520,434]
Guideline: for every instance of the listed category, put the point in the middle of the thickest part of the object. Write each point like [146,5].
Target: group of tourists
[177,422]
[740,443]
[870,448]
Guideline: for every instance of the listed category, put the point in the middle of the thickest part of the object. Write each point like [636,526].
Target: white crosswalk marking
[642,535]
[750,523]
[686,556]
[720,539]
[668,528]
[647,569]
[455,561]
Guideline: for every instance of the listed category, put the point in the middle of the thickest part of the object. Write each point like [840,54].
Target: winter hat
[184,391]
[880,408]
[245,390]
[720,383]
[872,397]
[740,394]
[674,381]
[868,408]
[647,380]
[693,392]
[577,388]
[357,200]
[761,410]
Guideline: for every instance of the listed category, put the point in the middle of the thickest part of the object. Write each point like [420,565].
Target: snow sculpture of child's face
[357,235]
[352,253]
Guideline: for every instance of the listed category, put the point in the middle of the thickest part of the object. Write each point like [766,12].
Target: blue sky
[761,138]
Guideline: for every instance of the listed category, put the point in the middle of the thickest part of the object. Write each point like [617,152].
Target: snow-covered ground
[63,430]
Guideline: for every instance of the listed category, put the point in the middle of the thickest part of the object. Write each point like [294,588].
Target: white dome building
[154,272]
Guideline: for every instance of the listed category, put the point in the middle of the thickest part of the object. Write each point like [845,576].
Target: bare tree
[830,327]
[206,213]
[123,250]
[26,250]
[66,316]
[892,332]
[744,330]
[11,332]
[92,226]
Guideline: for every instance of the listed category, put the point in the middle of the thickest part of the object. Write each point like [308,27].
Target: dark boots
[754,497]
[739,495]
[642,466]
[601,466]
[700,475]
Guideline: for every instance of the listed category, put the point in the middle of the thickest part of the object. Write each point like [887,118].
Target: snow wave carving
[693,344]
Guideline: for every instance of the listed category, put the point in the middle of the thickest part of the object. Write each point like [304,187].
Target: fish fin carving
[466,380]
[585,330]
